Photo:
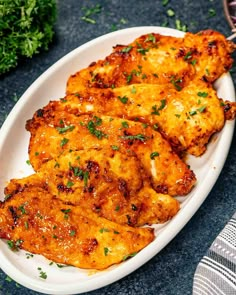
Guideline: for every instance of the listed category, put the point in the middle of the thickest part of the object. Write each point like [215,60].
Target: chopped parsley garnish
[192,113]
[153,155]
[176,83]
[129,256]
[188,55]
[104,230]
[106,251]
[126,49]
[170,12]
[29,255]
[207,72]
[42,274]
[7,196]
[151,38]
[202,94]
[200,110]
[211,12]
[79,173]
[135,137]
[64,141]
[145,125]
[92,127]
[115,147]
[117,208]
[22,208]
[155,127]
[125,124]
[165,2]
[14,245]
[156,110]
[65,129]
[193,62]
[133,90]
[142,50]
[69,184]
[89,12]
[123,99]
[72,233]
[180,26]
[26,225]
[66,213]
[86,177]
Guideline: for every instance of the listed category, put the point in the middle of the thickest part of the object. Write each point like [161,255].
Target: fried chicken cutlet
[54,133]
[34,220]
[104,182]
[159,59]
[187,118]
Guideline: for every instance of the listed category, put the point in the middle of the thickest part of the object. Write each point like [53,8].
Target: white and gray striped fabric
[216,272]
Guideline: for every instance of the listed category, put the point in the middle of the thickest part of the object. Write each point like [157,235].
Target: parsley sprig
[25,28]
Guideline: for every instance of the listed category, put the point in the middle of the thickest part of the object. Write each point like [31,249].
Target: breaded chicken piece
[54,132]
[158,59]
[36,221]
[187,118]
[107,182]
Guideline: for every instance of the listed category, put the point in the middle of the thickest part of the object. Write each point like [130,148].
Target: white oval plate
[13,155]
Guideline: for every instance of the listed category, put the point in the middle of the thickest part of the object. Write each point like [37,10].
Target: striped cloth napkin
[216,272]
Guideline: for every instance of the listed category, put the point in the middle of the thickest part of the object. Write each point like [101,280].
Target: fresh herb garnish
[92,127]
[42,274]
[64,141]
[125,124]
[176,83]
[65,129]
[104,230]
[89,12]
[170,12]
[150,38]
[135,137]
[155,110]
[129,256]
[115,147]
[69,184]
[126,49]
[123,99]
[72,233]
[202,94]
[188,55]
[66,213]
[106,251]
[153,155]
[25,28]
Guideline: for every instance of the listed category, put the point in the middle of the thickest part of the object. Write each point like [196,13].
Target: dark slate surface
[171,271]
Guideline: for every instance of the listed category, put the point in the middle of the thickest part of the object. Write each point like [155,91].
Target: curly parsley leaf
[25,28]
